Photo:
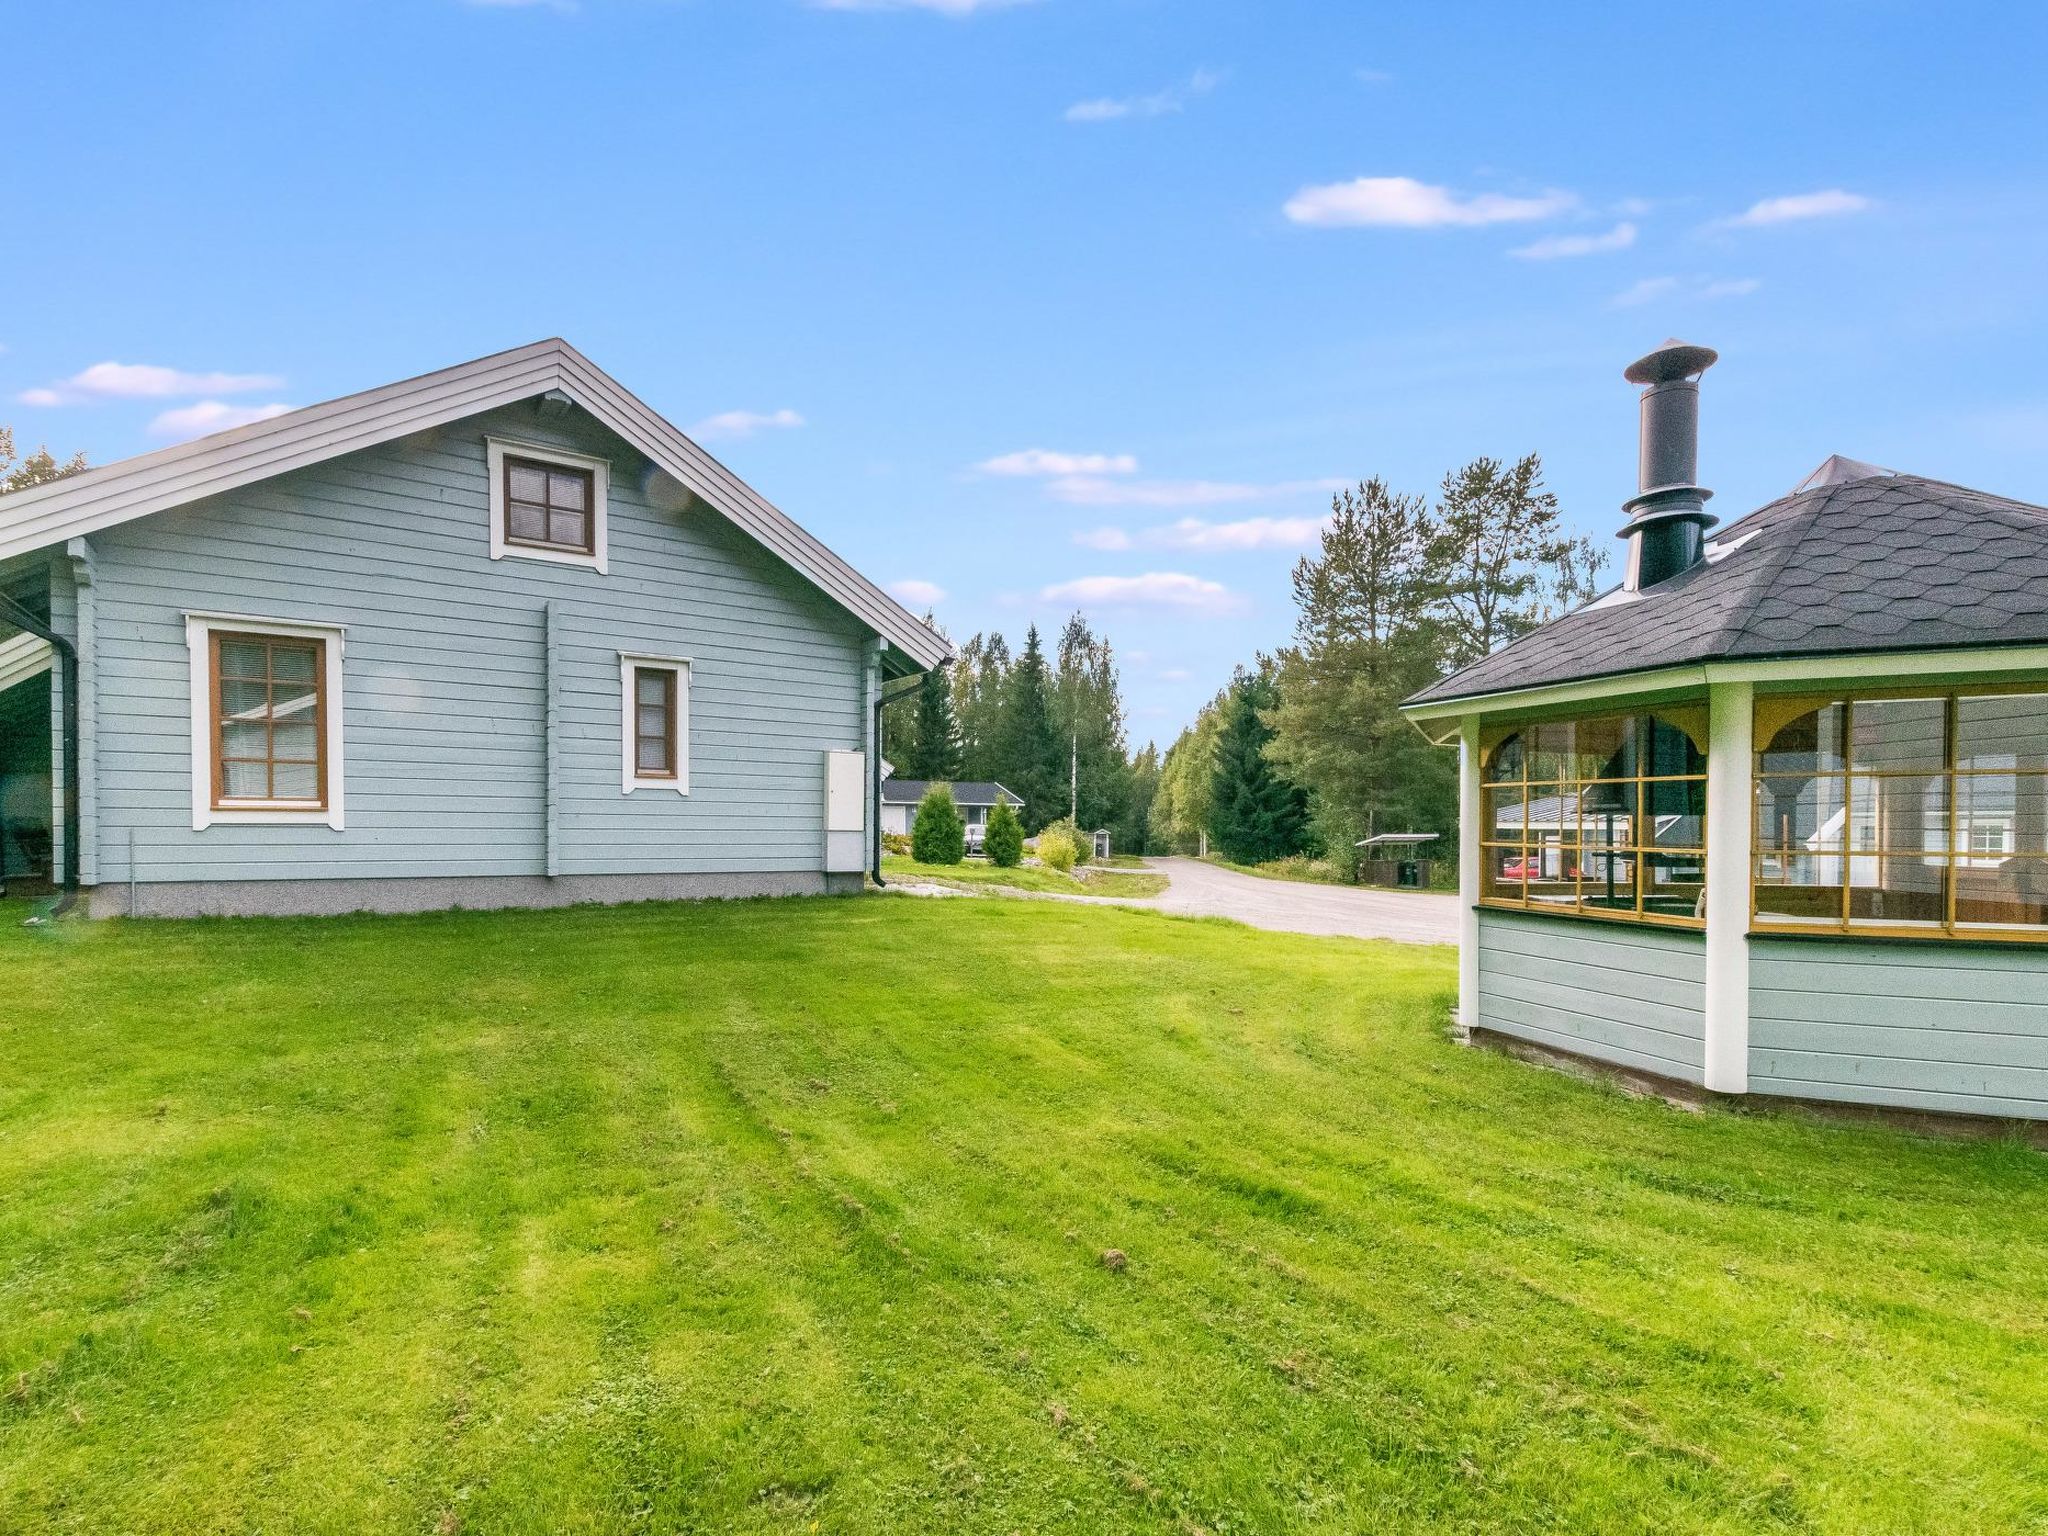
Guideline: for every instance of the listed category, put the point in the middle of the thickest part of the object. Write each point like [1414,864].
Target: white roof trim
[208,466]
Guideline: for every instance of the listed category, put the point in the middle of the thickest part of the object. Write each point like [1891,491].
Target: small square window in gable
[547,504]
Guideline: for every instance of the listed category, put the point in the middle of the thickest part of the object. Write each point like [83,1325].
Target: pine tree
[936,753]
[1366,636]
[39,468]
[1256,814]
[1031,755]
[1502,560]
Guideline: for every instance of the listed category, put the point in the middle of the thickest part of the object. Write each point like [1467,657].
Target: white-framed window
[654,723]
[266,720]
[547,504]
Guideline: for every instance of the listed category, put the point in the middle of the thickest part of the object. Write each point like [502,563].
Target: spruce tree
[1255,814]
[1031,756]
[936,754]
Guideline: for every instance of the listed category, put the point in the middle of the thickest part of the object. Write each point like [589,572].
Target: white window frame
[497,450]
[199,630]
[630,778]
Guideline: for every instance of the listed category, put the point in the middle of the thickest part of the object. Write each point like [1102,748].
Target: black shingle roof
[976,792]
[1879,563]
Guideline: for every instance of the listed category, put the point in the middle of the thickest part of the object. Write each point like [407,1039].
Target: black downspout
[67,672]
[882,699]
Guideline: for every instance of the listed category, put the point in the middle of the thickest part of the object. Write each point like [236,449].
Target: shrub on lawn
[896,842]
[1084,845]
[938,836]
[1003,840]
[1056,849]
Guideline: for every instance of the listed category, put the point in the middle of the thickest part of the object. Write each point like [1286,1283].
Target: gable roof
[208,466]
[974,792]
[1878,562]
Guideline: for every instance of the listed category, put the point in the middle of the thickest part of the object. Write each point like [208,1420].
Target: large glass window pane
[1500,811]
[2012,892]
[1504,764]
[1549,809]
[2003,731]
[1902,814]
[1674,884]
[1894,889]
[529,520]
[245,781]
[296,781]
[527,484]
[1502,872]
[1675,813]
[1799,815]
[1899,733]
[249,739]
[244,658]
[1812,743]
[568,528]
[1671,752]
[1605,749]
[300,743]
[244,700]
[1608,880]
[1551,752]
[293,663]
[566,490]
[1799,887]
[294,701]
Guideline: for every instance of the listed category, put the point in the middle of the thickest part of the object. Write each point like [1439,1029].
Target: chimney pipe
[1668,517]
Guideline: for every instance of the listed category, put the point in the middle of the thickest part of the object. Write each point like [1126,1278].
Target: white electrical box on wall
[846,812]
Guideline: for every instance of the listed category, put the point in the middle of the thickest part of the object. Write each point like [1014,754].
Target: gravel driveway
[1203,890]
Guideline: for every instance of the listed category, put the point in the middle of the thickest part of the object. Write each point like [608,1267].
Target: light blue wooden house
[1772,816]
[496,636]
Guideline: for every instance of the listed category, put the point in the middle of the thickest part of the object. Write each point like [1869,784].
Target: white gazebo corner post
[1468,872]
[1730,753]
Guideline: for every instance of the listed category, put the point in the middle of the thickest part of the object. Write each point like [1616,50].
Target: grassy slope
[787,1216]
[976,873]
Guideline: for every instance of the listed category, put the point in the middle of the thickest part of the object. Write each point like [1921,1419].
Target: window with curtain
[1602,816]
[269,743]
[1922,815]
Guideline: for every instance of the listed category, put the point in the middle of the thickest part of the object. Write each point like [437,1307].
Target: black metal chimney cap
[1673,361]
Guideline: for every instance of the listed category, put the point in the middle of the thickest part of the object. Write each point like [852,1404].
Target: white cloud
[1373,76]
[1092,491]
[737,424]
[1803,205]
[938,7]
[1685,290]
[143,381]
[1553,247]
[1173,99]
[924,594]
[1195,534]
[1155,589]
[1044,461]
[206,416]
[1103,538]
[1399,202]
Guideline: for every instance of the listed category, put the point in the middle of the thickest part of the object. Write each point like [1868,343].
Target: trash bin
[1409,874]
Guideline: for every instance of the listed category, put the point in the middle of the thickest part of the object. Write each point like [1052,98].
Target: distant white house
[976,800]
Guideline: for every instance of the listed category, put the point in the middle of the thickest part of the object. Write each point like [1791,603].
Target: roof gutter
[883,699]
[67,672]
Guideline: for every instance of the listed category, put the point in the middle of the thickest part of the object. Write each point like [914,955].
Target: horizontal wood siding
[1629,995]
[1944,1027]
[446,667]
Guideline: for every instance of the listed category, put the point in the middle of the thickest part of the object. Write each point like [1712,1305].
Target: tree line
[1306,751]
[1049,728]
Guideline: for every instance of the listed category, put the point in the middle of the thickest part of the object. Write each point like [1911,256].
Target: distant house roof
[152,482]
[979,792]
[1852,562]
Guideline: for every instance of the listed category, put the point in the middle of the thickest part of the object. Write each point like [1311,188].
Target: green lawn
[973,874]
[791,1217]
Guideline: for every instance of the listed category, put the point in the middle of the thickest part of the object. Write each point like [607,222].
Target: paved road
[1203,890]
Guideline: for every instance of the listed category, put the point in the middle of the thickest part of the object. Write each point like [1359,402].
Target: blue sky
[1058,302]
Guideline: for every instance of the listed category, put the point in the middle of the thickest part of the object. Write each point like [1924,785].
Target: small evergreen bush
[1003,839]
[896,842]
[938,836]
